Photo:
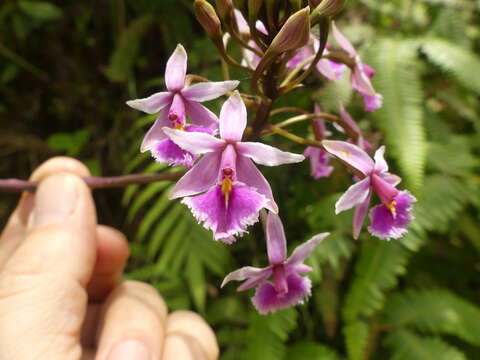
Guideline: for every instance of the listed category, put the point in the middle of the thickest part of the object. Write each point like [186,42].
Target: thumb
[42,286]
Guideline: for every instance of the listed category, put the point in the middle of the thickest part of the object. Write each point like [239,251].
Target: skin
[61,294]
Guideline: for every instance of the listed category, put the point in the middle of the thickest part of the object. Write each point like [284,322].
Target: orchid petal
[391,178]
[342,41]
[205,91]
[224,217]
[303,251]
[155,133]
[233,118]
[267,299]
[267,155]
[372,103]
[347,118]
[200,115]
[350,154]
[244,273]
[176,69]
[276,241]
[256,281]
[242,24]
[359,215]
[379,157]
[198,179]
[355,194]
[325,68]
[153,103]
[248,173]
[194,142]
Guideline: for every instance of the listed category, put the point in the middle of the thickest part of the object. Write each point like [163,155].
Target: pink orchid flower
[319,158]
[233,188]
[361,73]
[392,217]
[174,105]
[329,69]
[288,288]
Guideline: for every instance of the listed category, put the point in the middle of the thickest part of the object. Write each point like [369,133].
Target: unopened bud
[225,8]
[294,34]
[207,17]
[328,8]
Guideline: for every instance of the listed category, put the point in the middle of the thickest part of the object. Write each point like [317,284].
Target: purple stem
[17,185]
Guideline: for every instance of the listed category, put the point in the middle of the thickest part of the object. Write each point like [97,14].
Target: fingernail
[129,350]
[55,199]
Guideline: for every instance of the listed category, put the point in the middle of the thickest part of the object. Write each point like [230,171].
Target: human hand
[60,291]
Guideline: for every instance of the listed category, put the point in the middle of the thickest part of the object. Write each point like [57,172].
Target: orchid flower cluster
[223,188]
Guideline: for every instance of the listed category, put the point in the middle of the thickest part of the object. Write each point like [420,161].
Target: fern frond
[124,57]
[463,64]
[444,197]
[401,116]
[266,334]
[406,345]
[435,311]
[376,271]
[310,351]
[356,339]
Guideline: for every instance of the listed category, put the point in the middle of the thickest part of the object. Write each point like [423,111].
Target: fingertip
[59,164]
[192,325]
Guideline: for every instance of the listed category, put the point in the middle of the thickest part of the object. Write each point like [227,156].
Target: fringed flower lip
[287,288]
[390,219]
[175,105]
[232,190]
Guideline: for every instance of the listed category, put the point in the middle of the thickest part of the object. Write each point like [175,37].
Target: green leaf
[376,271]
[463,64]
[401,116]
[40,10]
[71,143]
[266,334]
[435,311]
[356,339]
[125,54]
[311,351]
[406,345]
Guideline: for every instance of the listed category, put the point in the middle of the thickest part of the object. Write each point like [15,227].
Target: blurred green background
[67,68]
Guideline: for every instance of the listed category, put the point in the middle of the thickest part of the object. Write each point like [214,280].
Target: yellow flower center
[227,185]
[392,208]
[178,126]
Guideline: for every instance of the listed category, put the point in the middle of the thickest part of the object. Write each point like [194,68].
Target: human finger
[42,285]
[112,254]
[15,229]
[188,336]
[132,323]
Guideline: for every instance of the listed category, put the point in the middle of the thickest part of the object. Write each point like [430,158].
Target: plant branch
[17,185]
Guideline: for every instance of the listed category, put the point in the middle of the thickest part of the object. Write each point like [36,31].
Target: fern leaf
[376,271]
[408,346]
[401,116]
[463,64]
[310,351]
[125,54]
[435,311]
[266,334]
[356,339]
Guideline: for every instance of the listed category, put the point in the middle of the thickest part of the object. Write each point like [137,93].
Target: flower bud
[328,8]
[224,7]
[294,34]
[207,17]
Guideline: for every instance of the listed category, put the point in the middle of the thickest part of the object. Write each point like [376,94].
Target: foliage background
[66,69]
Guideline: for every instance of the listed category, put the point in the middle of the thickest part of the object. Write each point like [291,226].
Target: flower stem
[17,185]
